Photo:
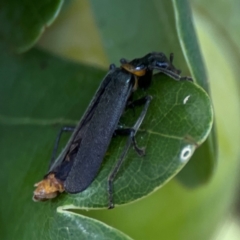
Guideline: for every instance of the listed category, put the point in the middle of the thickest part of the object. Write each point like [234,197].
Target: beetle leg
[55,148]
[130,141]
[186,78]
[173,75]
[130,132]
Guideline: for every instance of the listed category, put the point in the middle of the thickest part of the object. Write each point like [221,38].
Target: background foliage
[41,92]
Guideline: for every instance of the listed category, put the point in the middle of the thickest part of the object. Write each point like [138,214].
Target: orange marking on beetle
[135,87]
[128,67]
[48,188]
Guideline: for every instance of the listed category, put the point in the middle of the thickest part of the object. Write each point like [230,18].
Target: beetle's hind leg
[131,140]
[131,133]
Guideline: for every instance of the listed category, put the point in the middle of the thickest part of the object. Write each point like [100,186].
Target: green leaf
[74,226]
[23,22]
[200,169]
[159,26]
[189,42]
[131,29]
[170,130]
[217,25]
[41,93]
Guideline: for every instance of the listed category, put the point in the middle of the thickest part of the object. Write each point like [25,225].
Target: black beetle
[78,164]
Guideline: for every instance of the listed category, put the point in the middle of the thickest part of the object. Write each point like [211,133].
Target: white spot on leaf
[186,99]
[186,153]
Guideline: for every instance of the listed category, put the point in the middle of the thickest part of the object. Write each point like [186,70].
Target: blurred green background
[91,35]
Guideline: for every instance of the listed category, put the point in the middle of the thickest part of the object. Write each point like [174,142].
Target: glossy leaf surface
[54,92]
[23,22]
